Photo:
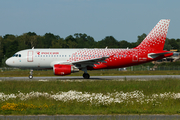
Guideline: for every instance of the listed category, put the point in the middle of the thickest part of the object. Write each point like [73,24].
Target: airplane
[67,61]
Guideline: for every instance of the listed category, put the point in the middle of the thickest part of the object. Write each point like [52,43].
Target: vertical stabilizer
[156,38]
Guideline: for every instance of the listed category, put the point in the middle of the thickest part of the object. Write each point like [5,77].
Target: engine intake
[64,69]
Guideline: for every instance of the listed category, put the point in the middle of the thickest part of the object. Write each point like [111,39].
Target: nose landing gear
[31,74]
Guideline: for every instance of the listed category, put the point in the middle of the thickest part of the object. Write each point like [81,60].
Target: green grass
[42,105]
[100,86]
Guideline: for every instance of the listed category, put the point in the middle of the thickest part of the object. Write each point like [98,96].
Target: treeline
[9,44]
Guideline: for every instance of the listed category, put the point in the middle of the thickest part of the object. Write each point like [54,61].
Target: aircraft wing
[89,62]
[82,63]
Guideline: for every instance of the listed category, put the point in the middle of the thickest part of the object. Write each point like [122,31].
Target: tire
[30,77]
[86,76]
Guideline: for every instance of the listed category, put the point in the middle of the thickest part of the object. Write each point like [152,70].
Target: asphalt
[92,117]
[133,77]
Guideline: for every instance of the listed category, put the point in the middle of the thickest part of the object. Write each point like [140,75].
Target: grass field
[90,97]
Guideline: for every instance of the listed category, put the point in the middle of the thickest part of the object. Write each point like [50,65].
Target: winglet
[156,38]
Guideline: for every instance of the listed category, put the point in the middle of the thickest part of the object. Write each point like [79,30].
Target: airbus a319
[67,61]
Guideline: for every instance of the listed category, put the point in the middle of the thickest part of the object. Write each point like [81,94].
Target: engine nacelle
[64,69]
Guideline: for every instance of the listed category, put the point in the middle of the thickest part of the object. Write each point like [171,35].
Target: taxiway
[133,77]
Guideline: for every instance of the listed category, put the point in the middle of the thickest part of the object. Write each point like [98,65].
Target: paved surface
[93,117]
[142,77]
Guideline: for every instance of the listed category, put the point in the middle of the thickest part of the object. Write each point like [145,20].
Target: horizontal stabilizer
[154,55]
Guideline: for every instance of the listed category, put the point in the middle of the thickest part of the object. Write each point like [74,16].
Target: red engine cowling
[64,69]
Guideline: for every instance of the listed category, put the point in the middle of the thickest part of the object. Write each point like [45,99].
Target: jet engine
[64,69]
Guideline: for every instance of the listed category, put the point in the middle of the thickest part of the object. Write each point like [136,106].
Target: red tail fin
[156,38]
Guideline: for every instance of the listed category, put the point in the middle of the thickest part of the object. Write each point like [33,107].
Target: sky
[122,19]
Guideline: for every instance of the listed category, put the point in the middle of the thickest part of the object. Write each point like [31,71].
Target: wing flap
[89,62]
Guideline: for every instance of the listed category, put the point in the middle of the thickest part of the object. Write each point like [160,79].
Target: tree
[60,43]
[167,46]
[12,48]
[140,39]
[31,34]
[71,42]
[22,42]
[10,45]
[84,41]
[1,50]
[173,43]
[109,41]
[133,45]
[124,44]
[48,38]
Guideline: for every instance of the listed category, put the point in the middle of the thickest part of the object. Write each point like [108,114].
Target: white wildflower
[94,98]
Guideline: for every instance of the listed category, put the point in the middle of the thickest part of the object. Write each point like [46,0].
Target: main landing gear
[31,74]
[85,75]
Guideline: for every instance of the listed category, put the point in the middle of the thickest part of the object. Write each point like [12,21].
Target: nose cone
[8,62]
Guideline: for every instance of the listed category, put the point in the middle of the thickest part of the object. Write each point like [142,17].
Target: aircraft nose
[8,62]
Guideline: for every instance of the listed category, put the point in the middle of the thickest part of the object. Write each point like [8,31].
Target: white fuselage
[47,58]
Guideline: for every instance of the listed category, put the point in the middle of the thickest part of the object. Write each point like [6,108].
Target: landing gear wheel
[86,76]
[30,76]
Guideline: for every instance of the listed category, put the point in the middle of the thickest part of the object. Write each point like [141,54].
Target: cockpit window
[17,55]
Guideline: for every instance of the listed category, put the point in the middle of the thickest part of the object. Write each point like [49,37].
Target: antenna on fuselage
[32,47]
[106,47]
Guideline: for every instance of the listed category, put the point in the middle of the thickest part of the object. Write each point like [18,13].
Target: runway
[91,117]
[138,77]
